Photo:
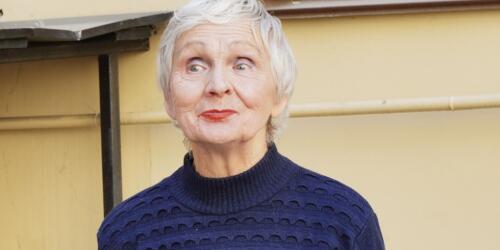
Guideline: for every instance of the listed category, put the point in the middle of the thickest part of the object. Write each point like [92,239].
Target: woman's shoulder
[343,204]
[133,209]
[330,195]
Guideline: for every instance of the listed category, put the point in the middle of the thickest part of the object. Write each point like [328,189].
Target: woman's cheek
[187,93]
[253,93]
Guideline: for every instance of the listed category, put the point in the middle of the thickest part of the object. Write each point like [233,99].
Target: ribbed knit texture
[276,204]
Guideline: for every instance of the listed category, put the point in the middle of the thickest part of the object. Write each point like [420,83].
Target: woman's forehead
[239,33]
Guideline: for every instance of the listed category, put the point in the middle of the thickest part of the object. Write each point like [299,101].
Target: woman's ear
[279,106]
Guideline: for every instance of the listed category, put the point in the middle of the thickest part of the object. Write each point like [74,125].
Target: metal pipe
[396,106]
[296,110]
[154,117]
[54,121]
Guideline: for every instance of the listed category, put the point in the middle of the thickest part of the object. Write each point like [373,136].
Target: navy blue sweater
[276,204]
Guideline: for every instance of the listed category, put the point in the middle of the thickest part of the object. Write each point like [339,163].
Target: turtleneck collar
[233,193]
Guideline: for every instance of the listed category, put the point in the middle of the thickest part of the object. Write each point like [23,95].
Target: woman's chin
[224,133]
[227,137]
[220,139]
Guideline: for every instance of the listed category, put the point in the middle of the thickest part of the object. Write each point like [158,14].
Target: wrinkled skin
[223,66]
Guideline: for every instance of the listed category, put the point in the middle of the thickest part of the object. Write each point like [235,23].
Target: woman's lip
[217,114]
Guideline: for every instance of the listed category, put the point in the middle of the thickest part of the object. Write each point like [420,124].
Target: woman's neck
[218,161]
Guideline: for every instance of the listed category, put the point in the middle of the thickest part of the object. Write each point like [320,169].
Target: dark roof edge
[326,8]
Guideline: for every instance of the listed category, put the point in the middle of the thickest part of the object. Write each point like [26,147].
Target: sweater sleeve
[370,237]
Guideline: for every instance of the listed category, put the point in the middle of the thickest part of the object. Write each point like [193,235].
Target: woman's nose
[218,84]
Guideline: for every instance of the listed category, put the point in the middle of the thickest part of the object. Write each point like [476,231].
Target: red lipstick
[216,115]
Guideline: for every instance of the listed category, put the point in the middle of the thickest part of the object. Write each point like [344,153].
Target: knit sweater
[276,204]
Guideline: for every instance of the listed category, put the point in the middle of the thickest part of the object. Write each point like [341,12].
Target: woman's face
[222,89]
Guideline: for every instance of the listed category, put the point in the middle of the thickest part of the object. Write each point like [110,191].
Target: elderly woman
[227,74]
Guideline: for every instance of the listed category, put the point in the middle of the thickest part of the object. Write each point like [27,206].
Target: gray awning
[77,28]
[76,36]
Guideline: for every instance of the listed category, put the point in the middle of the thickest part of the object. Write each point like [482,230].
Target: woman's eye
[243,63]
[242,66]
[195,68]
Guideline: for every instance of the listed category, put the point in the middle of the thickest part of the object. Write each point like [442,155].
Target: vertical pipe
[110,131]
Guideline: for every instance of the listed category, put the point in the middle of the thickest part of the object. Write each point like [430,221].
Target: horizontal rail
[296,110]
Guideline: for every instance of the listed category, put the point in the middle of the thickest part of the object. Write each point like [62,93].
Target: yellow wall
[431,177]
[15,10]
[50,180]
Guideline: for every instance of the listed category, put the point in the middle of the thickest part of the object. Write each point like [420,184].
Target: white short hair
[197,12]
